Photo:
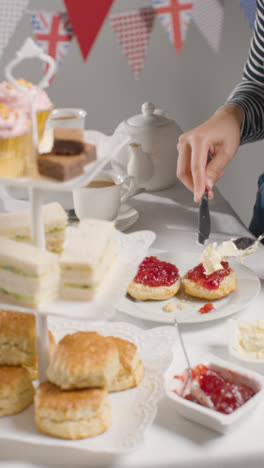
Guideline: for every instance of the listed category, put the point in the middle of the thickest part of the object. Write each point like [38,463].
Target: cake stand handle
[30,50]
[37,230]
[43,345]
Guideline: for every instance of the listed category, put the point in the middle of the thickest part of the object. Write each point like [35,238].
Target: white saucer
[127,216]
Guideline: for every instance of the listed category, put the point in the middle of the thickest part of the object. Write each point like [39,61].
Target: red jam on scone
[212,281]
[154,272]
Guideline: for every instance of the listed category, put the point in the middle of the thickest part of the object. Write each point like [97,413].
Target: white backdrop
[189,87]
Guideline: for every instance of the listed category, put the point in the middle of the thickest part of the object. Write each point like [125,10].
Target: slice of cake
[87,258]
[29,276]
[67,141]
[61,167]
[16,226]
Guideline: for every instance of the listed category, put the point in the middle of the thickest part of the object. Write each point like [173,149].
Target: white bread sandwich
[29,276]
[87,259]
[16,226]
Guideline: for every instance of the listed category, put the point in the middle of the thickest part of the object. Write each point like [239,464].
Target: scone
[215,286]
[18,341]
[72,414]
[16,390]
[131,367]
[84,360]
[155,280]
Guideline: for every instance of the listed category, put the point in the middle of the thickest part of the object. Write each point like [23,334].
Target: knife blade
[204,223]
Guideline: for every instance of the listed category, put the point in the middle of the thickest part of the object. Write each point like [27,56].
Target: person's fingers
[184,172]
[199,158]
[215,168]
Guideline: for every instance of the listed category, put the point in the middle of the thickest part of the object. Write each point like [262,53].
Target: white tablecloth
[173,442]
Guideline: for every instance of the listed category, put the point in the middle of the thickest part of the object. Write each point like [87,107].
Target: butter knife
[204,225]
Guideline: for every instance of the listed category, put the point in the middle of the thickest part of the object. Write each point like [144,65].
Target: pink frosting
[16,99]
[13,122]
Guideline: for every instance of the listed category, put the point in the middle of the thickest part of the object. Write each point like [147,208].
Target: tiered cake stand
[131,248]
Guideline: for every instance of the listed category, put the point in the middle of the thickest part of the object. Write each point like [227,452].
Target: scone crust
[72,414]
[17,324]
[226,287]
[160,293]
[131,367]
[83,360]
[16,390]
[18,341]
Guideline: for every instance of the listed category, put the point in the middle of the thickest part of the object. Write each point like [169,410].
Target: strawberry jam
[225,395]
[153,272]
[212,281]
[206,308]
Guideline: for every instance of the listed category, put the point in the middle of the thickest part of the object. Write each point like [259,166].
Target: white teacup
[103,196]
[67,118]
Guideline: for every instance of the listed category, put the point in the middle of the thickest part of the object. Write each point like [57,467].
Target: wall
[189,87]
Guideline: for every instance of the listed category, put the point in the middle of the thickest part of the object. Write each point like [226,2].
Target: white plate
[132,248]
[127,216]
[133,410]
[208,417]
[248,287]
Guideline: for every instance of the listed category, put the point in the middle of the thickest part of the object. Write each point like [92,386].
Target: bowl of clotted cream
[246,342]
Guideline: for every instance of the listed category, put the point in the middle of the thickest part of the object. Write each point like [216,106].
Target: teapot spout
[139,165]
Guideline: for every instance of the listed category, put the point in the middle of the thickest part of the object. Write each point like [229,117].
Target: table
[173,442]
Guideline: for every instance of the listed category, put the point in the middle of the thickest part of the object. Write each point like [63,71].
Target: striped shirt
[249,93]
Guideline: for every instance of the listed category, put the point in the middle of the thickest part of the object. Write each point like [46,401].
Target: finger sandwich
[16,226]
[87,258]
[29,276]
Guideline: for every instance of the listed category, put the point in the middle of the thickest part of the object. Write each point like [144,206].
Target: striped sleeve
[249,93]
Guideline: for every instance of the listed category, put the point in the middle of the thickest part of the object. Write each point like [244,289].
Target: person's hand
[220,137]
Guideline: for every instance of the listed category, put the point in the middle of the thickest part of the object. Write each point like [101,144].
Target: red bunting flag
[87,18]
[175,16]
[133,30]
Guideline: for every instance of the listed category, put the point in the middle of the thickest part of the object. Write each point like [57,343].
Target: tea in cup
[102,198]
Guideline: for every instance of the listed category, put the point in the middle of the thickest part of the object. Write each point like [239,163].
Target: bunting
[87,18]
[133,30]
[249,7]
[208,15]
[175,16]
[11,12]
[53,33]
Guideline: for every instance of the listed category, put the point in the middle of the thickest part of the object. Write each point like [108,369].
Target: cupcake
[16,99]
[15,141]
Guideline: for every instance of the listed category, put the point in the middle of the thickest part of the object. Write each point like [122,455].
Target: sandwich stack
[16,226]
[87,259]
[29,276]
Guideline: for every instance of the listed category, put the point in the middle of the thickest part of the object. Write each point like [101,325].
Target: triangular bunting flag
[87,17]
[208,15]
[249,8]
[133,30]
[11,12]
[53,33]
[175,16]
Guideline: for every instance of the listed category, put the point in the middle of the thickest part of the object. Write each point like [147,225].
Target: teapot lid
[149,117]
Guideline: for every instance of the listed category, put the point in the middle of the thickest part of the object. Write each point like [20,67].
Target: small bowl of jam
[233,392]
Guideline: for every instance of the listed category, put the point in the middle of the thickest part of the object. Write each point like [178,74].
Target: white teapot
[149,153]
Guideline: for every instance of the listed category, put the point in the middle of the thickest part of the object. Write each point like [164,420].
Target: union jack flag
[53,32]
[175,16]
